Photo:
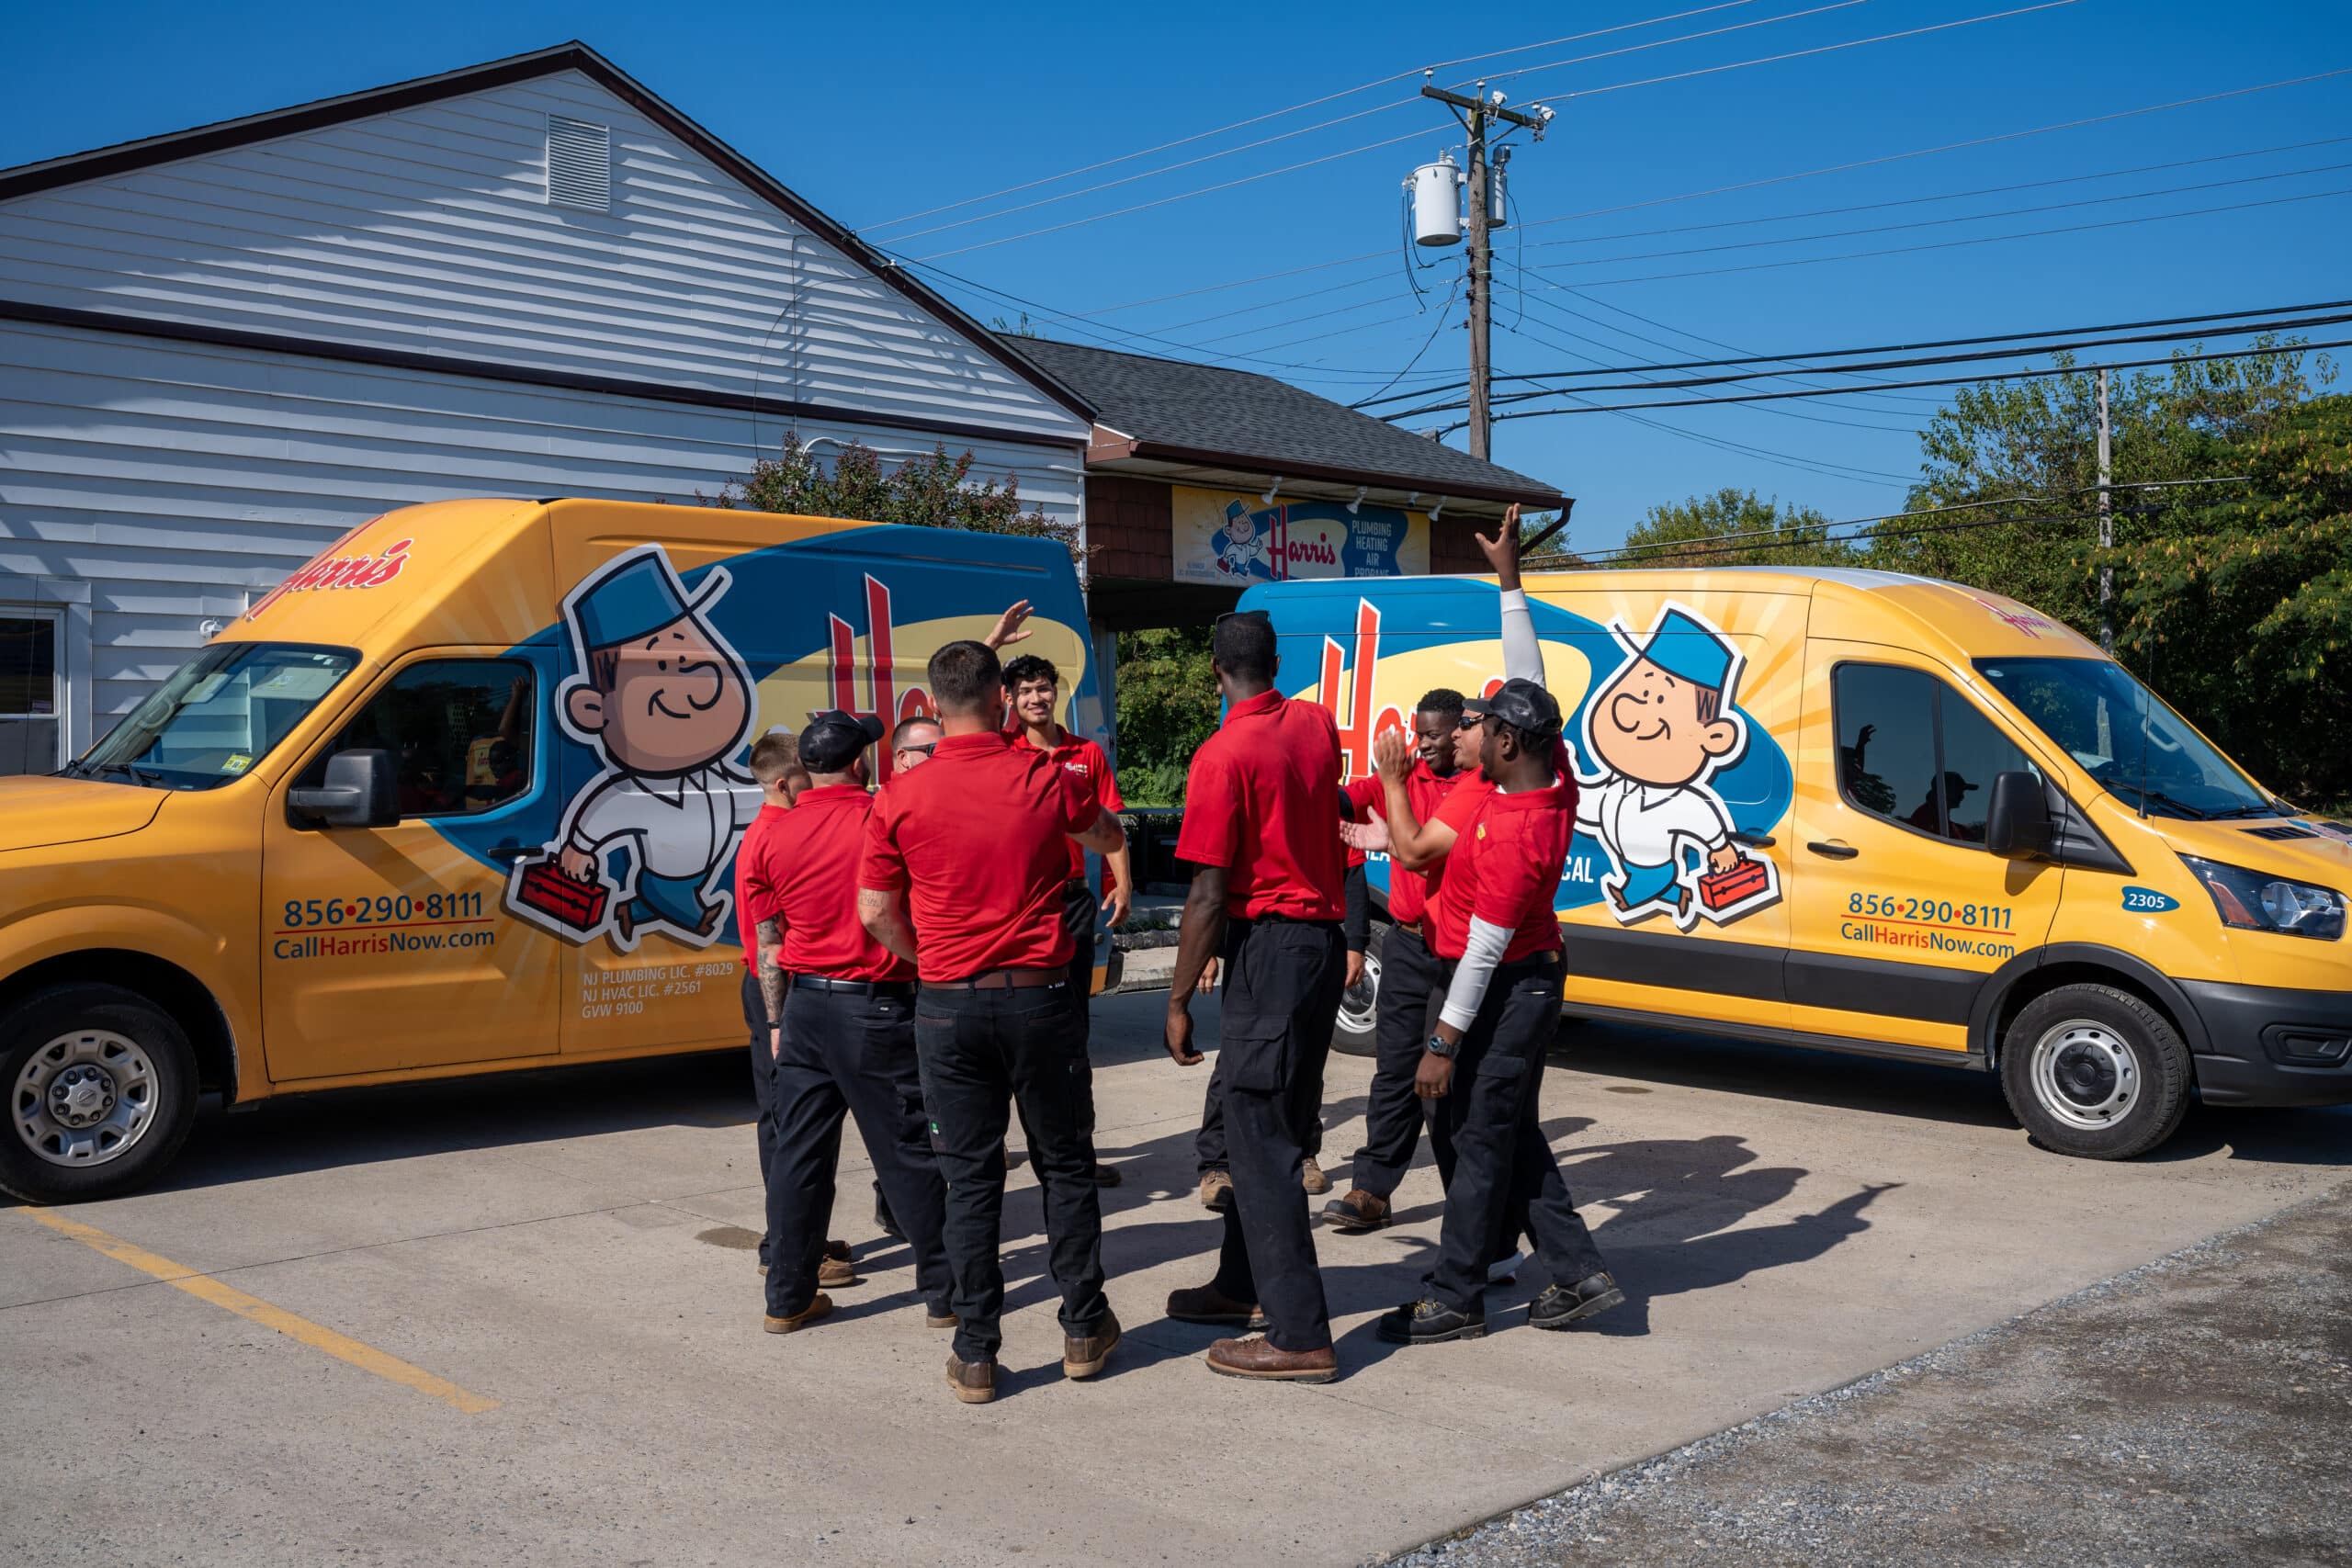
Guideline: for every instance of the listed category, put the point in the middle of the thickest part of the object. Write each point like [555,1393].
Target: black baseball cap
[1522,705]
[833,739]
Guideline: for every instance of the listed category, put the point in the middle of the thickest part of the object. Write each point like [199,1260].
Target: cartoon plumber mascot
[666,703]
[1242,548]
[1661,727]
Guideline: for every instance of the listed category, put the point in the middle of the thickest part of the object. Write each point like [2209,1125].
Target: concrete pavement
[571,1246]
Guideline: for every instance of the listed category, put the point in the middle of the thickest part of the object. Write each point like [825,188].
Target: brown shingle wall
[1131,525]
[1451,549]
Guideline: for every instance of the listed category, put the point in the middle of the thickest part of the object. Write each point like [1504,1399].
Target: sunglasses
[920,750]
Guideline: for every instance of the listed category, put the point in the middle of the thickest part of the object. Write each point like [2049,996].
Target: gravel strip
[2195,1410]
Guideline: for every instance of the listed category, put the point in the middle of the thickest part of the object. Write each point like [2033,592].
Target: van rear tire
[1356,1031]
[2094,1072]
[101,1087]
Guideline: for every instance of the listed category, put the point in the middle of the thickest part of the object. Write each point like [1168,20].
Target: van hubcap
[85,1098]
[1359,1003]
[2085,1074]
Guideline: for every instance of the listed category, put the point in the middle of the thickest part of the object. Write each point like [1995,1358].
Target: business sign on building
[1234,539]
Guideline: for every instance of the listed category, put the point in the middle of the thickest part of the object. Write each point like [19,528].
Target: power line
[2208,321]
[1443,310]
[1311,103]
[1414,135]
[1945,382]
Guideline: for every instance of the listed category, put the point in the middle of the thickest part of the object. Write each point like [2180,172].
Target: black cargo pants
[982,1050]
[1409,976]
[1488,1131]
[1282,980]
[755,1019]
[849,1053]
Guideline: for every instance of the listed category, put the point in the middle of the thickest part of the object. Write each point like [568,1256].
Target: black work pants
[1282,980]
[981,1051]
[1409,976]
[1487,1129]
[755,1019]
[849,1053]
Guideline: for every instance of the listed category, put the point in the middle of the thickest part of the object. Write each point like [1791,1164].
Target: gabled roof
[75,167]
[1173,411]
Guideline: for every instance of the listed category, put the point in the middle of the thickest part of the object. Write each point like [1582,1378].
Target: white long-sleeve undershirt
[1522,653]
[1480,953]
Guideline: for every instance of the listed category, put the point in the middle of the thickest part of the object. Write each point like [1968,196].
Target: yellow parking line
[343,1347]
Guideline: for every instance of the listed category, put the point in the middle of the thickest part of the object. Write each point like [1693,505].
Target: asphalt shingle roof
[1261,424]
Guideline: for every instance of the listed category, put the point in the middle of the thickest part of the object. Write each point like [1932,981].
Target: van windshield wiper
[2158,797]
[138,775]
[2267,809]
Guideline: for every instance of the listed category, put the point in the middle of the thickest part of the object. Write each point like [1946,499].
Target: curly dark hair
[1029,667]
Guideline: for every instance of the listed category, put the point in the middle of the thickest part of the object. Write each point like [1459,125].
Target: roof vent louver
[2283,831]
[579,165]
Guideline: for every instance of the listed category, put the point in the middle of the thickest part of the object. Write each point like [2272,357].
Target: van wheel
[2094,1072]
[101,1088]
[1356,1031]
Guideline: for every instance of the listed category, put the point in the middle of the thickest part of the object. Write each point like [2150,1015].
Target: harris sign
[1234,540]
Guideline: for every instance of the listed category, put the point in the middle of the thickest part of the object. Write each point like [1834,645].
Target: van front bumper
[2273,1045]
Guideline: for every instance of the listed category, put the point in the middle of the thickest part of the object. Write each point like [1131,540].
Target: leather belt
[1412,926]
[1004,980]
[863,988]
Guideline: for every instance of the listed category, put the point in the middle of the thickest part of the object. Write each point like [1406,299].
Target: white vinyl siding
[177,480]
[429,230]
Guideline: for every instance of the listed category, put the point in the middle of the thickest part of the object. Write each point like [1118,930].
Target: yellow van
[1868,812]
[461,795]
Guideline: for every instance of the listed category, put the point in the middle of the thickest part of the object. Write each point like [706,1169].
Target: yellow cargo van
[1867,812]
[462,794]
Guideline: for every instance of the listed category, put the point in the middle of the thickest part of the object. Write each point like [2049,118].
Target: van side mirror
[358,793]
[2016,822]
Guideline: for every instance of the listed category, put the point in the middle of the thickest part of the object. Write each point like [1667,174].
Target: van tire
[131,1071]
[1356,1031]
[2094,1072]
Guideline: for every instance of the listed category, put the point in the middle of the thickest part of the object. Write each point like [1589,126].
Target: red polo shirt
[1083,761]
[977,839]
[1408,891]
[754,897]
[1257,801]
[1504,868]
[809,859]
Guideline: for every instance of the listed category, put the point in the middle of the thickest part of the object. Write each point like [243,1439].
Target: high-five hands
[1392,753]
[1009,628]
[1502,550]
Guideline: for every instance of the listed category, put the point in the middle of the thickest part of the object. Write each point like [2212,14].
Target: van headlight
[2257,901]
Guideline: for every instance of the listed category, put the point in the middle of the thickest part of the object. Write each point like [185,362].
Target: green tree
[1167,707]
[2240,608]
[2028,449]
[1731,527]
[933,490]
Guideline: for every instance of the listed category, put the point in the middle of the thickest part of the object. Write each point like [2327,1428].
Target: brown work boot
[1216,1191]
[838,1251]
[1206,1303]
[1311,1177]
[973,1382]
[936,1316]
[1357,1213]
[1254,1357]
[820,1305]
[833,1273]
[1083,1354]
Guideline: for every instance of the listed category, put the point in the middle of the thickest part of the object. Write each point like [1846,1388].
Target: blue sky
[877,114]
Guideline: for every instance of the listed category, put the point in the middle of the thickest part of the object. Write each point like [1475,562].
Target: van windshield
[222,712]
[2126,738]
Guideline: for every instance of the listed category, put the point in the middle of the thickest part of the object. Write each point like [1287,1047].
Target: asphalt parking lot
[516,1319]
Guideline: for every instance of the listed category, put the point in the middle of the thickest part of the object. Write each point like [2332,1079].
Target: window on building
[1914,751]
[31,694]
[460,732]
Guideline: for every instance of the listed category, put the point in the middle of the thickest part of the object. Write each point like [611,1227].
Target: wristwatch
[1437,1047]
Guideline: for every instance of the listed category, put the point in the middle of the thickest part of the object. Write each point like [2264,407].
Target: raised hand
[1502,550]
[1370,837]
[1392,753]
[1009,628]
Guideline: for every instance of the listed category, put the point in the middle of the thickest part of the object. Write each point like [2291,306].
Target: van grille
[579,165]
[2283,831]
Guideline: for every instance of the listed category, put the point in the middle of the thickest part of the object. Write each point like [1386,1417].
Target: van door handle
[1832,849]
[1753,840]
[509,852]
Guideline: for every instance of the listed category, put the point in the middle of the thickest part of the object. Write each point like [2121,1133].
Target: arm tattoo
[770,949]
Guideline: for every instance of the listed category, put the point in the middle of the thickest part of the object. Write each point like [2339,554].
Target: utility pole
[2106,523]
[1474,112]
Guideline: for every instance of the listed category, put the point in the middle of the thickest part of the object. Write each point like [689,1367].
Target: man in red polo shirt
[1482,1067]
[1408,976]
[975,845]
[846,1046]
[775,765]
[1260,827]
[1035,686]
